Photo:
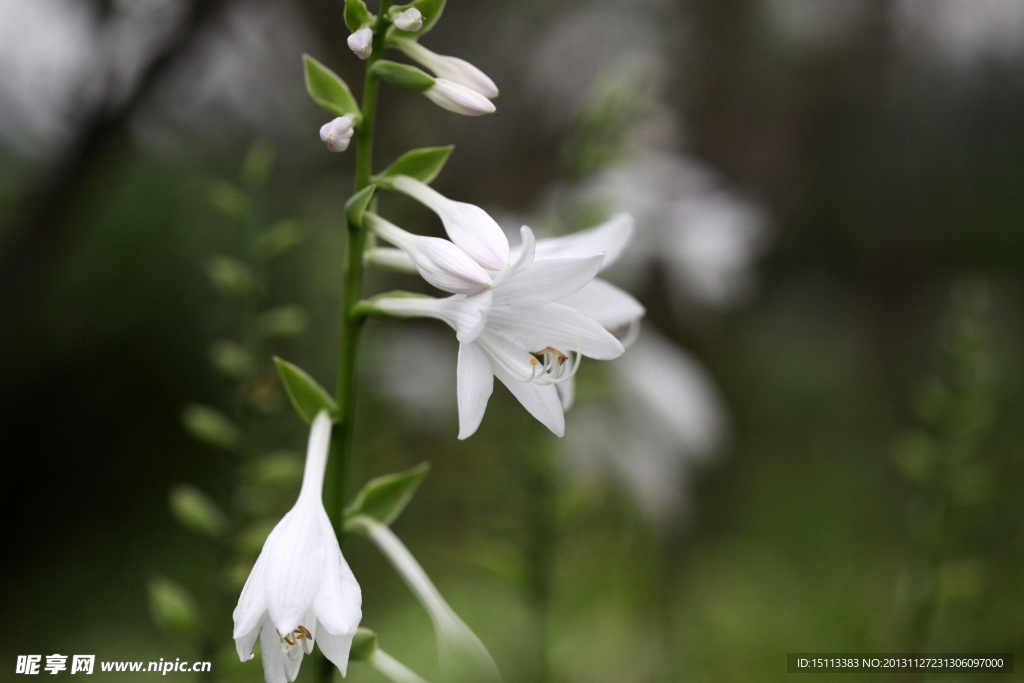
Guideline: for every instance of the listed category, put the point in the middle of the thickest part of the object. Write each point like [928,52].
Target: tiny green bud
[231,277]
[283,321]
[230,201]
[211,426]
[231,360]
[278,240]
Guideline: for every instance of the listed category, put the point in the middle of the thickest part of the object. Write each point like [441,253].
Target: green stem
[351,320]
[541,523]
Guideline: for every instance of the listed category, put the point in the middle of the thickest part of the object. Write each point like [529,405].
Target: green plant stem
[541,523]
[351,320]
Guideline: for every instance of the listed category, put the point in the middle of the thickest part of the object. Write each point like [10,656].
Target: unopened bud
[409,20]
[458,98]
[337,133]
[361,42]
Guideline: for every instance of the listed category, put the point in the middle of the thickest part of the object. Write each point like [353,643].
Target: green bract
[329,91]
[173,607]
[211,426]
[402,76]
[307,396]
[384,498]
[364,645]
[422,164]
[355,207]
[356,15]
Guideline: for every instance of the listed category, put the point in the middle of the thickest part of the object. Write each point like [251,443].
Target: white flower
[337,133]
[409,20]
[458,98]
[300,589]
[463,658]
[536,320]
[361,42]
[452,68]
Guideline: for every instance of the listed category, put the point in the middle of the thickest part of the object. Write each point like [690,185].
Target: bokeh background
[815,445]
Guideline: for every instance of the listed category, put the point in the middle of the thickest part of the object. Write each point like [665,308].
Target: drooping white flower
[336,134]
[452,68]
[300,590]
[361,42]
[458,98]
[409,20]
[531,327]
[462,656]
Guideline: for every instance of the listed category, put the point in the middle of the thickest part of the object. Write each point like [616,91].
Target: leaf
[307,396]
[402,76]
[279,239]
[231,277]
[328,90]
[355,207]
[384,498]
[356,15]
[231,360]
[173,607]
[282,321]
[196,511]
[211,426]
[422,164]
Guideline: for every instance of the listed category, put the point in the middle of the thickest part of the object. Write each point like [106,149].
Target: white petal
[523,259]
[468,226]
[440,262]
[610,238]
[338,604]
[319,443]
[466,315]
[567,392]
[545,281]
[273,655]
[508,354]
[251,609]
[605,303]
[336,648]
[452,68]
[540,400]
[390,258]
[536,327]
[475,384]
[294,565]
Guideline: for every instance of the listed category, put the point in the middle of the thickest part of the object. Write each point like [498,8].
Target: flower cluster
[526,316]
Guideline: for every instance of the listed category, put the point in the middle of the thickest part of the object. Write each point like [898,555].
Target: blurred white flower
[300,590]
[336,134]
[409,20]
[705,236]
[361,42]
[961,32]
[458,98]
[662,416]
[452,68]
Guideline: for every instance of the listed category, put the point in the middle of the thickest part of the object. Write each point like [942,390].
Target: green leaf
[355,207]
[256,167]
[422,164]
[431,11]
[329,91]
[385,497]
[279,469]
[279,239]
[231,277]
[364,645]
[231,360]
[402,76]
[173,607]
[211,426]
[283,321]
[230,200]
[196,511]
[307,396]
[356,15]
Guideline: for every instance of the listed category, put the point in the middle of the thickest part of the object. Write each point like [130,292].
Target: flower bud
[452,68]
[337,133]
[361,42]
[458,98]
[410,20]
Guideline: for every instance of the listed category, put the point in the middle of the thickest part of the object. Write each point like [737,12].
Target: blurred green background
[830,207]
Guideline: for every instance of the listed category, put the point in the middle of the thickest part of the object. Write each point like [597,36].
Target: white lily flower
[300,590]
[409,20]
[469,227]
[530,337]
[336,134]
[361,42]
[458,98]
[452,68]
[439,261]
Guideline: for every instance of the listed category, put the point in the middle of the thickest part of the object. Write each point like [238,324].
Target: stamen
[298,634]
[551,366]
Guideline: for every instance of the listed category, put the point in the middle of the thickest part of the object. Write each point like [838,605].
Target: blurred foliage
[870,497]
